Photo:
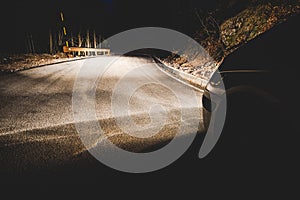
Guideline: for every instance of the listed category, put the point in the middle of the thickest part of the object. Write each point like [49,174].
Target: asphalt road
[40,143]
[37,125]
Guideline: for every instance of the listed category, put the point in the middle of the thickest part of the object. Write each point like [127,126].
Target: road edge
[44,65]
[182,76]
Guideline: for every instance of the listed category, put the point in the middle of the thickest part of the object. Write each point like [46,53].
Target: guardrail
[80,51]
[193,80]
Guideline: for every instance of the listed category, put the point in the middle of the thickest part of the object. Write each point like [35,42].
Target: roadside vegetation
[220,34]
[17,62]
[221,30]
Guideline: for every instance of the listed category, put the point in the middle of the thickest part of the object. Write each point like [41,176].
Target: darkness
[20,19]
[240,165]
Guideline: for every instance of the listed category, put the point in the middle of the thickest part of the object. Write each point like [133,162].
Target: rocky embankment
[222,37]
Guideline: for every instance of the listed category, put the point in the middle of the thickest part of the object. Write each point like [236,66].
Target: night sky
[108,17]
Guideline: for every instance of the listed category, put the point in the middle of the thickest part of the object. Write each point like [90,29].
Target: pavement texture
[38,132]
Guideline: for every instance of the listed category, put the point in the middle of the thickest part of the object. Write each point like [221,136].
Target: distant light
[65,30]
[61,16]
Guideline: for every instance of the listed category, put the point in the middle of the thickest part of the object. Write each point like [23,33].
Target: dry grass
[221,37]
[15,63]
[252,22]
